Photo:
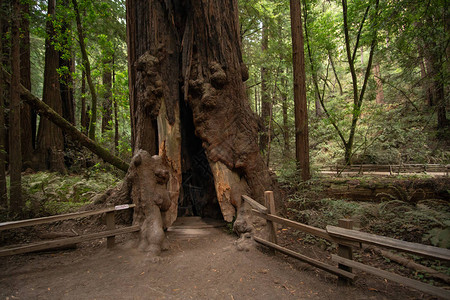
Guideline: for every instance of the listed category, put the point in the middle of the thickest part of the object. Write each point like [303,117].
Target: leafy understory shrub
[48,193]
[428,221]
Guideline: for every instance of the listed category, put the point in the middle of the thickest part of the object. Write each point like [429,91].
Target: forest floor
[201,263]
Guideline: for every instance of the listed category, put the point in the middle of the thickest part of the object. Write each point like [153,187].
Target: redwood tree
[27,115]
[67,65]
[15,152]
[107,96]
[50,137]
[188,98]
[300,105]
[265,97]
[3,194]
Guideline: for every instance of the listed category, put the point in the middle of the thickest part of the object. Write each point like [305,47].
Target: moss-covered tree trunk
[188,101]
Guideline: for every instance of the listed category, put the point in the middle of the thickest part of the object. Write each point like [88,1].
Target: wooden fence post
[110,225]
[345,252]
[270,204]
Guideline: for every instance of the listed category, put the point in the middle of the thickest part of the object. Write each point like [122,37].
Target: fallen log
[46,111]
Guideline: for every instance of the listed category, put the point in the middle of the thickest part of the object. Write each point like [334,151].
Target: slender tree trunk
[116,114]
[15,152]
[84,114]
[429,73]
[50,137]
[377,76]
[107,85]
[424,77]
[3,193]
[87,69]
[265,96]
[436,72]
[256,102]
[284,104]
[330,57]
[318,101]
[435,65]
[28,129]
[300,104]
[66,85]
[357,96]
[66,82]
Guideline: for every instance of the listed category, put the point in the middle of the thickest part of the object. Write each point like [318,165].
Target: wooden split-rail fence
[110,232]
[444,170]
[346,239]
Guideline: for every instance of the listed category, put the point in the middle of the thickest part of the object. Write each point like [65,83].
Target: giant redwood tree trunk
[188,103]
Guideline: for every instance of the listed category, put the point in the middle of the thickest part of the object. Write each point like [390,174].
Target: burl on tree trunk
[145,185]
[148,179]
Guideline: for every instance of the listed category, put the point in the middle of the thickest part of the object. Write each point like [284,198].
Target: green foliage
[425,222]
[439,237]
[399,130]
[400,193]
[51,193]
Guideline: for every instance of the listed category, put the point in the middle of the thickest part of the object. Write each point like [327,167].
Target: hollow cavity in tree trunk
[198,195]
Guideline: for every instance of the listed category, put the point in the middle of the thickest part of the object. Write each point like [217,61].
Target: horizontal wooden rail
[347,238]
[254,204]
[424,287]
[66,241]
[316,263]
[45,220]
[303,227]
[402,168]
[367,238]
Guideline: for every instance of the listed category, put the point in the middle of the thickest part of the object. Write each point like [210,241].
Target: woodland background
[395,85]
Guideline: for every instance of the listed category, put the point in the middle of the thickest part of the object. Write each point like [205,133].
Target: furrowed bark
[188,96]
[45,111]
[3,194]
[50,138]
[27,116]
[15,152]
[300,104]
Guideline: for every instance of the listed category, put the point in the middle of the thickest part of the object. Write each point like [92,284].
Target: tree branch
[358,36]
[349,55]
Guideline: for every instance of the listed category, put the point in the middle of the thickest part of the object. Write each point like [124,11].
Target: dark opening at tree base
[198,194]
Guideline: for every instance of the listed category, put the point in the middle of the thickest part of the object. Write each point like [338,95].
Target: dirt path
[200,264]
